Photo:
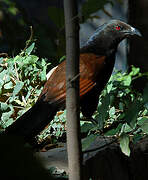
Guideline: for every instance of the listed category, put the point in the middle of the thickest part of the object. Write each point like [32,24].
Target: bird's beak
[135,31]
[132,31]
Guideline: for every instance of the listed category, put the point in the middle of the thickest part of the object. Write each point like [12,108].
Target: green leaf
[30,60]
[143,123]
[142,120]
[5,116]
[113,132]
[7,123]
[19,85]
[121,106]
[134,71]
[43,75]
[8,85]
[6,77]
[43,62]
[17,58]
[144,127]
[86,127]
[1,82]
[127,80]
[1,60]
[124,144]
[87,141]
[103,110]
[126,128]
[30,49]
[132,113]
[3,106]
[20,62]
[62,59]
[109,87]
[28,95]
[3,74]
[112,111]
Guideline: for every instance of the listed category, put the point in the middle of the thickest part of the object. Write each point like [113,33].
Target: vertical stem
[72,90]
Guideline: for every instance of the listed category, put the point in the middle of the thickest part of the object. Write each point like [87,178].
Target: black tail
[33,121]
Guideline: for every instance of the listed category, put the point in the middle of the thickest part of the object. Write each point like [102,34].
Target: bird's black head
[107,37]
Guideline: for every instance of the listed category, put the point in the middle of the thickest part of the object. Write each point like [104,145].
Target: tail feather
[33,121]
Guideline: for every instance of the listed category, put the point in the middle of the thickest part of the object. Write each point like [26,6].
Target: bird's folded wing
[54,91]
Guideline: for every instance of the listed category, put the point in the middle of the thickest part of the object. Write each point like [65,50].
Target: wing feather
[54,90]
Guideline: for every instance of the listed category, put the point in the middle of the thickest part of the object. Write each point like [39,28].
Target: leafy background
[122,112]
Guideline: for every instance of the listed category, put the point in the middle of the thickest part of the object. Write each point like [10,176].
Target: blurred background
[47,20]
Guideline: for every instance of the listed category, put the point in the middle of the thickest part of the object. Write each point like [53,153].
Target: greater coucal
[97,59]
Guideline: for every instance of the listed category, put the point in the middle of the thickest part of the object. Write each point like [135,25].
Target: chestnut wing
[54,90]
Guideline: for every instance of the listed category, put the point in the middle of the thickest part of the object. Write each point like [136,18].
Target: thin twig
[75,77]
[4,55]
[19,107]
[17,75]
[29,40]
[24,101]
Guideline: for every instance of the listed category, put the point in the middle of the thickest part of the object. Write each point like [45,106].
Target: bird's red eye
[118,28]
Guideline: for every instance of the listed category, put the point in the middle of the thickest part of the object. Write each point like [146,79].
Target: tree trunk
[72,90]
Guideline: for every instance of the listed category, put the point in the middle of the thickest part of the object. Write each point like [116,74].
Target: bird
[97,59]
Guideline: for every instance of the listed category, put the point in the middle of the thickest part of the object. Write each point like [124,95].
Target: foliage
[9,6]
[122,112]
[124,144]
[21,81]
[56,128]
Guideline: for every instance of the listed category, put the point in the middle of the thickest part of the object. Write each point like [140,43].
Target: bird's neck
[101,46]
[99,50]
